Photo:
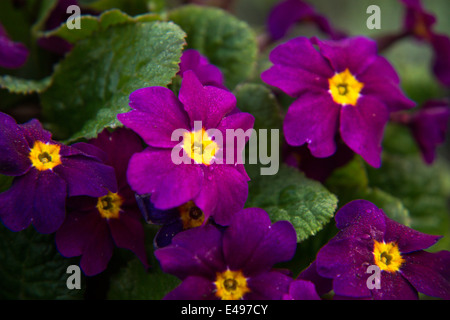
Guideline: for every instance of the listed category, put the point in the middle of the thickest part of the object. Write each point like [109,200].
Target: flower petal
[193,252]
[302,290]
[37,197]
[14,148]
[223,192]
[127,232]
[193,288]
[156,113]
[98,250]
[313,119]
[207,104]
[362,128]
[253,244]
[356,53]
[85,176]
[152,171]
[269,285]
[429,272]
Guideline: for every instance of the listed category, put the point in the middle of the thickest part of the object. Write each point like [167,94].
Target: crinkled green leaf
[228,42]
[32,268]
[290,196]
[131,7]
[261,103]
[90,24]
[351,182]
[92,84]
[424,190]
[23,86]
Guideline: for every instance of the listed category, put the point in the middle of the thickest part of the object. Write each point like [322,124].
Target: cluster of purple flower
[93,195]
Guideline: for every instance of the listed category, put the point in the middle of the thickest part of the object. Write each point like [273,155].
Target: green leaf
[23,86]
[290,196]
[228,42]
[90,24]
[351,182]
[133,282]
[131,7]
[93,83]
[261,103]
[32,268]
[424,190]
[5,182]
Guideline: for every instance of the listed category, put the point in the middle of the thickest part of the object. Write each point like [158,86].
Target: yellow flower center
[420,28]
[344,88]
[231,285]
[387,256]
[109,205]
[199,146]
[44,156]
[191,215]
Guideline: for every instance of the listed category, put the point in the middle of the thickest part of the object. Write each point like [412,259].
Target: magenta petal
[301,290]
[33,130]
[393,286]
[261,244]
[193,288]
[313,119]
[388,92]
[204,103]
[12,54]
[441,61]
[152,171]
[379,69]
[294,81]
[241,123]
[128,233]
[223,192]
[408,239]
[193,252]
[269,285]
[429,273]
[362,213]
[299,53]
[248,229]
[14,148]
[356,53]
[362,128]
[156,113]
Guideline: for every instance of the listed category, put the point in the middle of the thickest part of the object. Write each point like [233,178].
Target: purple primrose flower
[12,54]
[172,221]
[419,23]
[301,290]
[45,172]
[285,14]
[207,73]
[231,264]
[428,125]
[94,225]
[368,238]
[343,87]
[218,189]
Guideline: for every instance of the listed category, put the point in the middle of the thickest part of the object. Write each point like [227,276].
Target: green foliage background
[138,43]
